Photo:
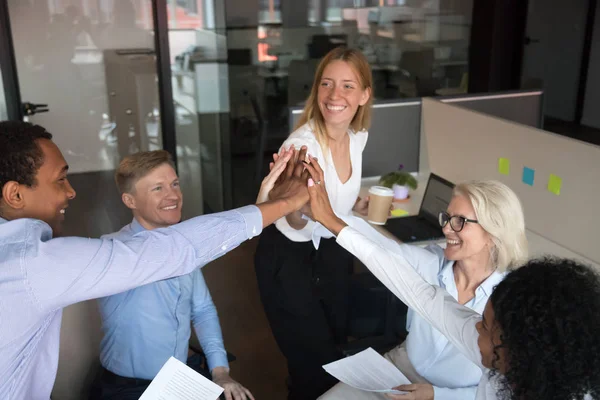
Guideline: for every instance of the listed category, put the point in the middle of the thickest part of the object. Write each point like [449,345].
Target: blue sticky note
[528,176]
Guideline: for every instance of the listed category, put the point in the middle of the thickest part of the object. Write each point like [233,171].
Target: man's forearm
[273,210]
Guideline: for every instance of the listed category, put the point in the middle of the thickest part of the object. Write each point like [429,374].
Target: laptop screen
[436,199]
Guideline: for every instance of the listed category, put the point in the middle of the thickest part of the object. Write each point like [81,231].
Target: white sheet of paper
[177,381]
[369,371]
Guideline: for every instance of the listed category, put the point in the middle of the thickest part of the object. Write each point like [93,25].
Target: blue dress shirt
[40,275]
[452,374]
[145,326]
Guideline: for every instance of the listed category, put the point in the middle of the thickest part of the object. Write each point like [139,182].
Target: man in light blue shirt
[145,326]
[40,274]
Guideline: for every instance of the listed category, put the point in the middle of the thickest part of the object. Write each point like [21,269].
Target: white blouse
[341,195]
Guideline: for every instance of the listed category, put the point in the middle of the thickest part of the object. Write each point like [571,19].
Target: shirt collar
[2,220]
[136,227]
[447,273]
[492,281]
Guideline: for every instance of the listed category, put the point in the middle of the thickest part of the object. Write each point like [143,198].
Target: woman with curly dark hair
[539,336]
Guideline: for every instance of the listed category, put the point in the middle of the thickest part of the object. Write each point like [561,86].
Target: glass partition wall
[238,64]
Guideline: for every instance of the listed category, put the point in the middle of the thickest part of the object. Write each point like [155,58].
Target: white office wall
[591,108]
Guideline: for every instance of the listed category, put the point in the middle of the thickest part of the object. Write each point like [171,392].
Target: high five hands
[301,182]
[287,179]
[319,200]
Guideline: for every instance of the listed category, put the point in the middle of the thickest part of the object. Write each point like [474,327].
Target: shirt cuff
[345,236]
[217,359]
[253,219]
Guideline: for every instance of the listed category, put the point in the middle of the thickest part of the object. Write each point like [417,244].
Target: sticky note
[554,184]
[528,176]
[503,165]
[398,212]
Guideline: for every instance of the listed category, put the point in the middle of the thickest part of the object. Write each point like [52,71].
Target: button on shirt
[452,375]
[40,275]
[146,325]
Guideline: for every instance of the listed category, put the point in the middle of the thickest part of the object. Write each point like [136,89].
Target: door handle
[529,40]
[31,108]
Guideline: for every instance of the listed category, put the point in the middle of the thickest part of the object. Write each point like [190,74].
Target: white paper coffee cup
[380,202]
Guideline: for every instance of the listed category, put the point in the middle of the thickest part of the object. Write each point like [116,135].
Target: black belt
[115,379]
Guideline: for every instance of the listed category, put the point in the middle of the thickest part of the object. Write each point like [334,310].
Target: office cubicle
[555,177]
[394,136]
[395,132]
[522,106]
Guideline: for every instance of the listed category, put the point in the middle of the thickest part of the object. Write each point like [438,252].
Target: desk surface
[538,244]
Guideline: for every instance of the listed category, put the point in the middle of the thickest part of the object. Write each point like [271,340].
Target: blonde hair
[499,212]
[312,112]
[135,166]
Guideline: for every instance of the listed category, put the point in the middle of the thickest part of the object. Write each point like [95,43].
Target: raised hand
[319,200]
[276,168]
[291,184]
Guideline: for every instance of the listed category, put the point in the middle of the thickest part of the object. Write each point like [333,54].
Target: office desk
[411,205]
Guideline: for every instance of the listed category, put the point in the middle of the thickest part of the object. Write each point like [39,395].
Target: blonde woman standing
[302,273]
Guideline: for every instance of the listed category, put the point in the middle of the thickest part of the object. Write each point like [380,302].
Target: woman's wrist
[334,224]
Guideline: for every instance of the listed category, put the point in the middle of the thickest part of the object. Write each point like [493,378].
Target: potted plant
[400,182]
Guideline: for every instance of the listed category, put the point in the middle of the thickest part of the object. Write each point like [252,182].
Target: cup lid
[381,191]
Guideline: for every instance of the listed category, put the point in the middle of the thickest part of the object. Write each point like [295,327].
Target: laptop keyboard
[413,229]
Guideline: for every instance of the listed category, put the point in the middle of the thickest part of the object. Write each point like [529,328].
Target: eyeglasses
[457,222]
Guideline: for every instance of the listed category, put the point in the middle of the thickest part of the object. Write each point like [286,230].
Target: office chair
[377,318]
[416,73]
[204,367]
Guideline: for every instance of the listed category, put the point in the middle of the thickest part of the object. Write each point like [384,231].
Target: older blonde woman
[485,235]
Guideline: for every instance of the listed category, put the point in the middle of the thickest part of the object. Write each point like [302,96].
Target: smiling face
[472,242]
[49,198]
[340,94]
[156,200]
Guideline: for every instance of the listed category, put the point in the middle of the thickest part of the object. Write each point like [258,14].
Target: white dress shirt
[341,195]
[437,307]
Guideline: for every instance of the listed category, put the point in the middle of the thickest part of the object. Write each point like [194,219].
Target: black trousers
[109,386]
[305,294]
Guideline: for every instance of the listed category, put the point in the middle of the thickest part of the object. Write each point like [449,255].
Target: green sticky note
[503,166]
[398,212]
[554,184]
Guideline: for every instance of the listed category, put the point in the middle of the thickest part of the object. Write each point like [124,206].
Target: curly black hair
[21,155]
[549,315]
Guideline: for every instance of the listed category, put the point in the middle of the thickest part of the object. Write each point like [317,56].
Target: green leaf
[399,178]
